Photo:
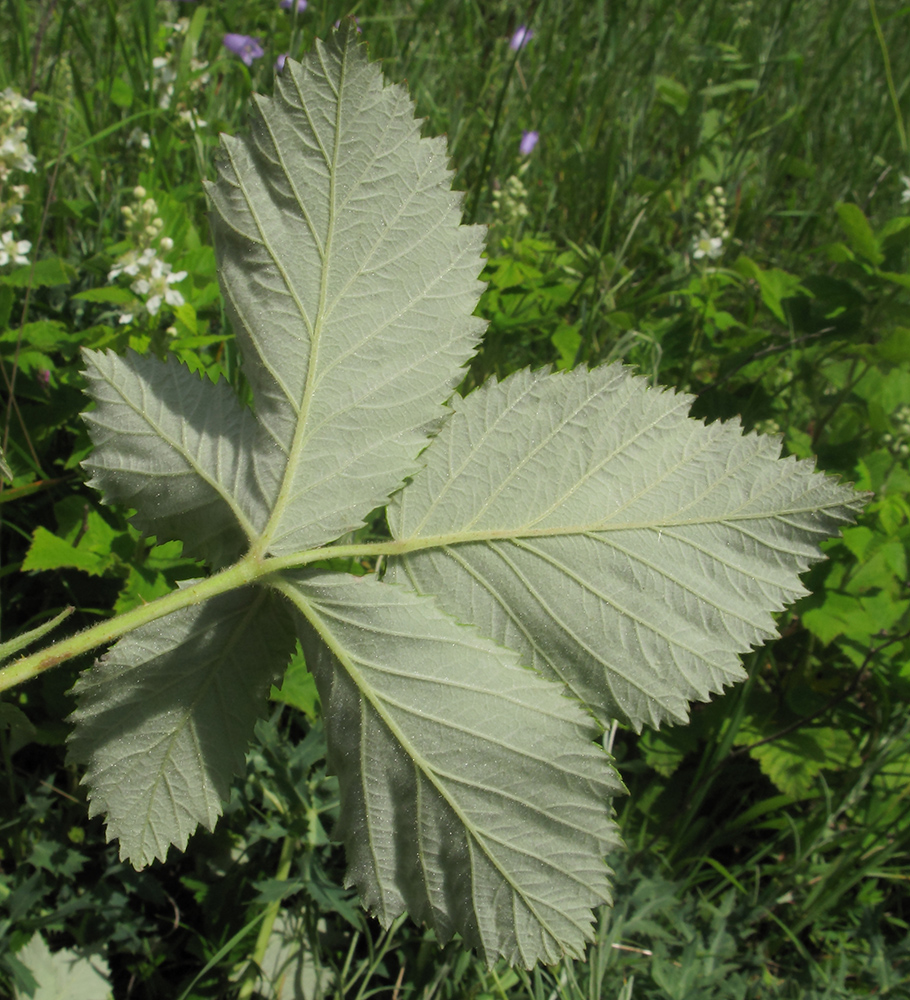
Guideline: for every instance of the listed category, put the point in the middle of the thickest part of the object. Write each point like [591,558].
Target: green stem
[7,649]
[268,922]
[248,570]
[892,90]
[104,632]
[254,567]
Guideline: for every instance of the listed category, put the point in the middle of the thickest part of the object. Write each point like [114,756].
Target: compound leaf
[471,793]
[163,720]
[580,524]
[350,284]
[623,548]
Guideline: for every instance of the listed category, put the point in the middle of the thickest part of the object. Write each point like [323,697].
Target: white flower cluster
[713,221]
[14,155]
[165,70]
[152,277]
[899,442]
[768,426]
[509,203]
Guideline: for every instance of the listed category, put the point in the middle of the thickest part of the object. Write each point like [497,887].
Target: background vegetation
[717,195]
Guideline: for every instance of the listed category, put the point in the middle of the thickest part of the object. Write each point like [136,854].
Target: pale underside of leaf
[350,284]
[472,795]
[164,718]
[175,447]
[621,547]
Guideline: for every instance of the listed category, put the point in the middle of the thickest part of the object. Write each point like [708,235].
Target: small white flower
[191,119]
[200,77]
[167,73]
[127,260]
[905,194]
[11,103]
[14,152]
[13,251]
[10,213]
[148,258]
[139,138]
[158,284]
[707,246]
[132,264]
[178,27]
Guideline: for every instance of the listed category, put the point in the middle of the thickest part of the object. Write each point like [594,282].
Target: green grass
[769,842]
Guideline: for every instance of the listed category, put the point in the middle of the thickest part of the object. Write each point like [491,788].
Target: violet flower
[287,4]
[245,46]
[280,61]
[521,38]
[528,142]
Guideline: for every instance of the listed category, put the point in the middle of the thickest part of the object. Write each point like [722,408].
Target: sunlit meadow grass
[690,155]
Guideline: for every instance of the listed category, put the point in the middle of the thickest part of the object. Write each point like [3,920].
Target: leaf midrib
[284,494]
[414,542]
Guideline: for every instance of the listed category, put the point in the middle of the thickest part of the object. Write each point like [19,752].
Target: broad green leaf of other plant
[566,549]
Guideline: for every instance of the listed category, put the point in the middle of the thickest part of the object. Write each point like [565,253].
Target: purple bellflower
[520,39]
[301,5]
[356,24]
[528,142]
[246,47]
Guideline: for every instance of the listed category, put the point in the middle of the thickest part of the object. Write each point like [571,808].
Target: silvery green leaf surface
[177,448]
[471,793]
[65,974]
[163,720]
[623,548]
[350,286]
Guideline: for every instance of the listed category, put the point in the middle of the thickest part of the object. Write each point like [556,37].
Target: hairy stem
[249,569]
[107,631]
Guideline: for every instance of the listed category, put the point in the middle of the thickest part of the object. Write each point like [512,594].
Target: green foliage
[350,284]
[663,128]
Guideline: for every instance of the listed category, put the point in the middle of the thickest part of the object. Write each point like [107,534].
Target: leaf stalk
[105,632]
[248,570]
